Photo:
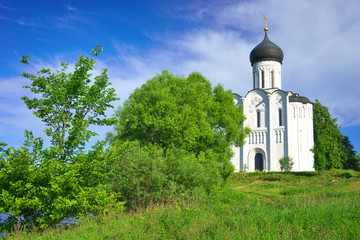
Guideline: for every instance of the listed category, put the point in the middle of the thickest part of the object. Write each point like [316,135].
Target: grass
[303,205]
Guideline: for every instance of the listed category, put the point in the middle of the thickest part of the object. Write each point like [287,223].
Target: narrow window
[280,117]
[262,79]
[258,119]
[254,77]
[272,79]
[280,133]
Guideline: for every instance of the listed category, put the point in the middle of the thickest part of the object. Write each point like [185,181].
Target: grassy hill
[303,205]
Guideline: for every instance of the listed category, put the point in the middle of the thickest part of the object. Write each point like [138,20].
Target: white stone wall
[301,136]
[277,131]
[256,102]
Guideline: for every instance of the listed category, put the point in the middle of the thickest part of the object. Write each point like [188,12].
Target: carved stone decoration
[262,107]
[279,101]
[254,103]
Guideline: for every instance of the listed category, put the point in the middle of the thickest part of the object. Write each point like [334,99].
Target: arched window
[262,79]
[280,133]
[280,117]
[258,118]
[259,162]
[254,78]
[272,79]
[294,112]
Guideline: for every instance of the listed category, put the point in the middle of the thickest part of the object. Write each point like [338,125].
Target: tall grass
[319,205]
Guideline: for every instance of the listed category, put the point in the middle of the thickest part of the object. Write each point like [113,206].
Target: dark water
[65,222]
[3,217]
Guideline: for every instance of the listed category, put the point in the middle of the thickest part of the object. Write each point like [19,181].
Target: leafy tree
[41,191]
[286,163]
[351,161]
[42,186]
[187,113]
[357,159]
[328,149]
[69,103]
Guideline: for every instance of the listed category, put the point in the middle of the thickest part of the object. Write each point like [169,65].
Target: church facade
[281,122]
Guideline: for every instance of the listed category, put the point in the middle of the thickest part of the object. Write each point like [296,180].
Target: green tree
[42,186]
[351,161]
[328,149]
[286,163]
[187,113]
[69,104]
[41,191]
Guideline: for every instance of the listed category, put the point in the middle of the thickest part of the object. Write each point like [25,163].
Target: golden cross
[266,28]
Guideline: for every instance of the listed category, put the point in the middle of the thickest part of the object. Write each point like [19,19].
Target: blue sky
[320,40]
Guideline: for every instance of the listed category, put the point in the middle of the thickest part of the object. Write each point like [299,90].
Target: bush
[286,163]
[147,175]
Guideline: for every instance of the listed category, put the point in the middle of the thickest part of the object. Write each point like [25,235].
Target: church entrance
[259,162]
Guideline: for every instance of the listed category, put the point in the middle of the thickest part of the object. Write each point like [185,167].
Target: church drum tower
[281,122]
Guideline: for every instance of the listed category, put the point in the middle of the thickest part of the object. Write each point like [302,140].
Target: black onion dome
[266,50]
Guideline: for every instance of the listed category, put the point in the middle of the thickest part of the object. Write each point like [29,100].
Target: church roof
[293,97]
[297,98]
[266,50]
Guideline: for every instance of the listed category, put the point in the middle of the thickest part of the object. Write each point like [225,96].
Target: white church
[281,122]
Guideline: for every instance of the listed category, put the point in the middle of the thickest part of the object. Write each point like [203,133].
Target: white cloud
[11,88]
[5,7]
[70,8]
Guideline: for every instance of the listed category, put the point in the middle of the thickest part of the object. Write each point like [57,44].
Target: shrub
[149,175]
[286,163]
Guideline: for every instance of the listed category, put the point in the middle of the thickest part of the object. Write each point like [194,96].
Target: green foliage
[69,104]
[351,161]
[295,205]
[2,144]
[41,190]
[144,175]
[186,113]
[328,150]
[286,163]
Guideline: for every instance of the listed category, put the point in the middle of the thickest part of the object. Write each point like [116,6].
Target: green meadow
[296,205]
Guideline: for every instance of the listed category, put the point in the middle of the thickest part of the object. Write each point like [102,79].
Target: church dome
[266,50]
